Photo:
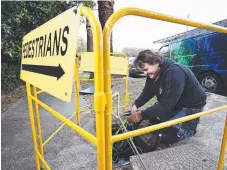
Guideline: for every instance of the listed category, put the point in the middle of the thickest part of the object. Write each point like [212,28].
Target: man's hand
[135,117]
[134,109]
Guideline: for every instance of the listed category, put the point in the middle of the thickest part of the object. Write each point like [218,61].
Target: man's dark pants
[183,130]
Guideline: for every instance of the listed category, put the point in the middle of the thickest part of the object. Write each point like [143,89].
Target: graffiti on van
[208,51]
[205,55]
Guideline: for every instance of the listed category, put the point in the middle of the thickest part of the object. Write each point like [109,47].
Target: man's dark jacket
[177,88]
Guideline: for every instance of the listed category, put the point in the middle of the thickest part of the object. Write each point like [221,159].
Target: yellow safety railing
[126,78]
[77,86]
[99,104]
[103,95]
[107,81]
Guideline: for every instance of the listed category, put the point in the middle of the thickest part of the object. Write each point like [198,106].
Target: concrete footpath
[199,152]
[69,151]
[66,151]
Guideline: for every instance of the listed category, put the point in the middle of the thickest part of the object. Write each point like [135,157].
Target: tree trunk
[106,9]
[89,37]
[89,42]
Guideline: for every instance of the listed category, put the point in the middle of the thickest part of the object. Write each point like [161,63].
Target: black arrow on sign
[54,71]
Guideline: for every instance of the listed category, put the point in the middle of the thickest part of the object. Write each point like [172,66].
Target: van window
[183,48]
[164,50]
[183,52]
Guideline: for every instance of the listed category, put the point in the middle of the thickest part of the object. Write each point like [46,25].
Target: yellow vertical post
[223,147]
[106,52]
[38,124]
[108,94]
[126,91]
[32,123]
[99,97]
[77,89]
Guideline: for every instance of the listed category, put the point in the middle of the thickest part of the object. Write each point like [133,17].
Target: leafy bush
[10,77]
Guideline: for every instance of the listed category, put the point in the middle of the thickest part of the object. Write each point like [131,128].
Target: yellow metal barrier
[223,147]
[38,124]
[119,64]
[77,89]
[125,78]
[39,92]
[103,101]
[75,127]
[99,96]
[99,102]
[56,131]
[42,160]
[87,59]
[107,78]
[32,123]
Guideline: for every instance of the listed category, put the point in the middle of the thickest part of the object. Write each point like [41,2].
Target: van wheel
[211,82]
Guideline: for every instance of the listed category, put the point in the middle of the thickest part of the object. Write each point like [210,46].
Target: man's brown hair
[149,57]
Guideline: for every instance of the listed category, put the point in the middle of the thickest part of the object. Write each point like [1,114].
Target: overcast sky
[132,31]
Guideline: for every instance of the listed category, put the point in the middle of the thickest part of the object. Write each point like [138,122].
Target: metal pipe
[120,53]
[32,123]
[69,123]
[42,160]
[40,140]
[126,90]
[106,52]
[223,147]
[86,79]
[87,110]
[41,91]
[99,96]
[56,131]
[77,89]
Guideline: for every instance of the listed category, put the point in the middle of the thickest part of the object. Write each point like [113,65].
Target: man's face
[153,71]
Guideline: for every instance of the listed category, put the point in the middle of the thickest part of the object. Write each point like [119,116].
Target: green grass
[208,94]
[132,98]
[83,76]
[152,101]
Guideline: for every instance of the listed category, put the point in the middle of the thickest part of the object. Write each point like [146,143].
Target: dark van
[205,55]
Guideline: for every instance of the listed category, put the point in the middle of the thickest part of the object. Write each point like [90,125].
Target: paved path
[207,141]
[66,150]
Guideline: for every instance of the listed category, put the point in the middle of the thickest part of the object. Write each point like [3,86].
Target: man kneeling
[178,93]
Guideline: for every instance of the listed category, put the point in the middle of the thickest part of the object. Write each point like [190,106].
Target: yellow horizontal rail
[57,130]
[159,16]
[120,53]
[107,77]
[69,123]
[138,132]
[90,110]
[123,78]
[87,110]
[41,91]
[42,160]
[86,79]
